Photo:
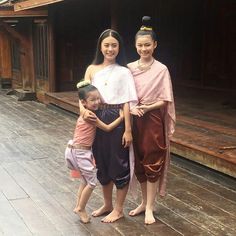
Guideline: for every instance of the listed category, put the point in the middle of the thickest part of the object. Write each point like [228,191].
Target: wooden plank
[28,13]
[63,221]
[35,219]
[9,187]
[209,197]
[67,101]
[132,225]
[209,141]
[200,156]
[10,222]
[207,125]
[95,227]
[33,3]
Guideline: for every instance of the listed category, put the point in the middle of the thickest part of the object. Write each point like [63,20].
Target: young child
[78,154]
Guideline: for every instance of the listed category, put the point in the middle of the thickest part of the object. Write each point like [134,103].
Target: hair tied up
[146,23]
[82,83]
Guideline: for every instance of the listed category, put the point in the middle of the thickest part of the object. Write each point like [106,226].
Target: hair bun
[82,83]
[146,21]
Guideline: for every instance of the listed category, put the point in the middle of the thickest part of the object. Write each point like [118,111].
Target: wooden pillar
[5,56]
[51,48]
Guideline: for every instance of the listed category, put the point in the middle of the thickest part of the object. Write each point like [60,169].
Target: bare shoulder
[89,72]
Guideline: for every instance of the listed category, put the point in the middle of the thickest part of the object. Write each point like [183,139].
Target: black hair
[146,28]
[120,59]
[84,90]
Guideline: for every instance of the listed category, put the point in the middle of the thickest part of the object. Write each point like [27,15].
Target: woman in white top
[111,150]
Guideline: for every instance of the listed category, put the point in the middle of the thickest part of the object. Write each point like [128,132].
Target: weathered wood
[10,221]
[28,4]
[37,194]
[5,56]
[28,13]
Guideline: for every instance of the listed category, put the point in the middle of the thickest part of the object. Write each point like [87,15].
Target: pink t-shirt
[84,133]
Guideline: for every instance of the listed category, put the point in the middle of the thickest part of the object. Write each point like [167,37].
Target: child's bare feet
[102,210]
[76,209]
[149,218]
[138,210]
[84,217]
[113,216]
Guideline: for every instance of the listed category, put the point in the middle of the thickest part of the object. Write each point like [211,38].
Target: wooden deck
[37,194]
[205,131]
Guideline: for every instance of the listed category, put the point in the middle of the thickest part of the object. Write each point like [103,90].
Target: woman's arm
[127,136]
[112,125]
[87,115]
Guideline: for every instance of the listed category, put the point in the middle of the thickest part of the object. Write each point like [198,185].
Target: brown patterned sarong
[149,146]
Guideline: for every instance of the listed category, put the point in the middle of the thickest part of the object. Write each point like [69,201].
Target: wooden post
[51,48]
[5,56]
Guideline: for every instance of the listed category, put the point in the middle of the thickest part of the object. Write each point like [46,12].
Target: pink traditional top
[84,133]
[154,85]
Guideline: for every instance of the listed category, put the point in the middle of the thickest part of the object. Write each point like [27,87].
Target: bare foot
[149,218]
[76,209]
[84,218]
[140,209]
[101,211]
[113,216]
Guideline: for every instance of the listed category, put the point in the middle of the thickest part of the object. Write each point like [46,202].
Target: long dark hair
[146,28]
[120,59]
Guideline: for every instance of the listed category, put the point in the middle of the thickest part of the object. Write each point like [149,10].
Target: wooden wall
[196,40]
[77,27]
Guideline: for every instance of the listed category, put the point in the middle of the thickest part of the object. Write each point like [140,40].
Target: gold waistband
[78,146]
[110,106]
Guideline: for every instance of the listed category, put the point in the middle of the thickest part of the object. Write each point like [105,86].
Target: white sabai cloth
[116,85]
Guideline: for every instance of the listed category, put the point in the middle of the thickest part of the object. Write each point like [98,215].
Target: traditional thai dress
[116,86]
[78,153]
[152,131]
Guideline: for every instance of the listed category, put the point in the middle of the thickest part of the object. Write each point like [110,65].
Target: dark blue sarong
[112,159]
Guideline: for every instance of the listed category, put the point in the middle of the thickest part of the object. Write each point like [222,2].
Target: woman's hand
[137,111]
[127,139]
[144,108]
[89,116]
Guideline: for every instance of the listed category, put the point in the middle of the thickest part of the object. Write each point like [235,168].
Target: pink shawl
[155,85]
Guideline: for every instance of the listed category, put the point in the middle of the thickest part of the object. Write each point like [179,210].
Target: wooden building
[46,45]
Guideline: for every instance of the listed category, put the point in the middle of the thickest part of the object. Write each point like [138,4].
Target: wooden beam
[14,34]
[33,3]
[28,13]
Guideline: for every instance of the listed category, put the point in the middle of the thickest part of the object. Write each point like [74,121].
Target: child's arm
[112,125]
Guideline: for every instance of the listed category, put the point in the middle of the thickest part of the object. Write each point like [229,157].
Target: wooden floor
[205,131]
[37,194]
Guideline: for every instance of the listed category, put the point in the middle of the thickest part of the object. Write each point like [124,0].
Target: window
[40,44]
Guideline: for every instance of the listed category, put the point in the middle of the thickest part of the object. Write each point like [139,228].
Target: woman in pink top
[154,120]
[78,153]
